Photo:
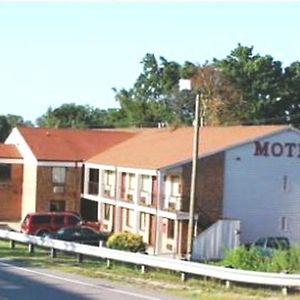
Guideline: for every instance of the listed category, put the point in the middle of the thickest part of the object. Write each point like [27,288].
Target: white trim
[121,169]
[100,166]
[137,171]
[17,139]
[125,205]
[11,161]
[59,164]
[90,197]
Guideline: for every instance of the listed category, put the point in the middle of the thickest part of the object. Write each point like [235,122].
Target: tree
[5,128]
[147,102]
[8,122]
[259,80]
[217,97]
[155,96]
[290,103]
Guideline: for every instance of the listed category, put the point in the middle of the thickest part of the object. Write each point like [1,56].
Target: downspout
[157,233]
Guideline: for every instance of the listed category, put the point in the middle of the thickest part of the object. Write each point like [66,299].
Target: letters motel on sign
[276,149]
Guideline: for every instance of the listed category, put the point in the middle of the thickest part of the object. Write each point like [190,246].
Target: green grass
[127,274]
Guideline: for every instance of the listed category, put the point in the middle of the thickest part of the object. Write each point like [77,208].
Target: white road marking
[81,283]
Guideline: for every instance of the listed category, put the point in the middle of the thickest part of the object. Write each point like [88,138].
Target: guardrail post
[108,263]
[30,248]
[284,290]
[227,284]
[12,244]
[142,269]
[79,258]
[183,276]
[53,253]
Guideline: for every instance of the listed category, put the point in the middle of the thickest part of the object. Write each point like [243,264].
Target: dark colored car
[45,223]
[80,234]
[267,245]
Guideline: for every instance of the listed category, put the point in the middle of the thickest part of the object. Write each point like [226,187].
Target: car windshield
[278,243]
[260,242]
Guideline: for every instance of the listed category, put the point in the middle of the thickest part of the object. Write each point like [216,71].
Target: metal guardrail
[184,267]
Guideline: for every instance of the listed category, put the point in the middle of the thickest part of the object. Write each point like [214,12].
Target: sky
[53,53]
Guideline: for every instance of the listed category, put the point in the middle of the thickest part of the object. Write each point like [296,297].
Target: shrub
[241,258]
[126,241]
[252,259]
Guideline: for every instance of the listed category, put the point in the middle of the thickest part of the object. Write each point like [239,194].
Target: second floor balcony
[173,203]
[108,191]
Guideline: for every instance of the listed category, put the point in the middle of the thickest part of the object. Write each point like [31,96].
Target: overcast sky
[76,52]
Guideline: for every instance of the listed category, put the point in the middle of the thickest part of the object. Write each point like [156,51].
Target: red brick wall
[45,193]
[11,195]
[209,188]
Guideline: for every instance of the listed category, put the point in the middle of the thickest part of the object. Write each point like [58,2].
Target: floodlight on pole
[185,84]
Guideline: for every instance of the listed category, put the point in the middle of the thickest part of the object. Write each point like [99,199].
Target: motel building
[251,174]
[139,180]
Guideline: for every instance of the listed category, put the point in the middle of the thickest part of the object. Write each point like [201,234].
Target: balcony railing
[173,203]
[108,191]
[145,198]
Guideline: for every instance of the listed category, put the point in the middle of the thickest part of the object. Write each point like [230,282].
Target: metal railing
[184,267]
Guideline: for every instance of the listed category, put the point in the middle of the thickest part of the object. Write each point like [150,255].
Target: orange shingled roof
[59,144]
[9,151]
[153,149]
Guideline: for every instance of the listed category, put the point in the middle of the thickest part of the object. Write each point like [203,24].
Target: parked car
[80,234]
[44,223]
[267,245]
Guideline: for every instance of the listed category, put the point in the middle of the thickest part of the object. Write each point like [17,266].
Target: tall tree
[290,103]
[8,122]
[5,128]
[154,97]
[79,116]
[259,81]
[220,102]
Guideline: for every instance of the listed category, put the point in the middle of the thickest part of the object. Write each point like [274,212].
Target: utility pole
[185,84]
[193,178]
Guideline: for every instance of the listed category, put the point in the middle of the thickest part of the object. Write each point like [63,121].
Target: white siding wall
[254,190]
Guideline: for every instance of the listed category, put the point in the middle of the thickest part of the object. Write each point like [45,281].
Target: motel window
[142,221]
[285,183]
[109,177]
[5,172]
[59,175]
[175,186]
[57,205]
[284,224]
[106,212]
[131,181]
[94,175]
[170,229]
[145,180]
[129,217]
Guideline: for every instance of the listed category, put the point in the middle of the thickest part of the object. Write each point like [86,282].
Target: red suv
[44,223]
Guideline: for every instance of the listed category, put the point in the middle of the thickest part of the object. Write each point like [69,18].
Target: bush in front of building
[126,241]
[242,258]
[251,259]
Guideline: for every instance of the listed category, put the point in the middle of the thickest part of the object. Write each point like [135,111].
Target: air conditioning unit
[143,199]
[172,205]
[169,247]
[129,197]
[58,189]
[106,193]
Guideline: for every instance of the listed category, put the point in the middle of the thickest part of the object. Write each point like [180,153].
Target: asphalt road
[28,283]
